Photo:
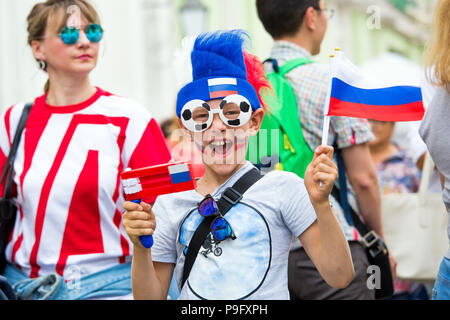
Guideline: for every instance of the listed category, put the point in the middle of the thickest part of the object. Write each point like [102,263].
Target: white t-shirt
[254,265]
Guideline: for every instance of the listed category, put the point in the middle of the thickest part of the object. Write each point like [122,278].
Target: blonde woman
[434,127]
[68,242]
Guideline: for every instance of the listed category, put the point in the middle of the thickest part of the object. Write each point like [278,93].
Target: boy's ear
[256,121]
[186,133]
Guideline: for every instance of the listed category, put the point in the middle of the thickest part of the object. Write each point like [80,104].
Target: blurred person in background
[298,28]
[180,146]
[68,241]
[396,170]
[397,173]
[434,126]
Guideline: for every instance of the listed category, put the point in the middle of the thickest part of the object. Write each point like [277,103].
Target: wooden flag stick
[326,119]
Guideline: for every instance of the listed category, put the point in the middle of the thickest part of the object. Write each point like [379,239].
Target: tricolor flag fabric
[222,87]
[354,95]
[151,182]
[180,173]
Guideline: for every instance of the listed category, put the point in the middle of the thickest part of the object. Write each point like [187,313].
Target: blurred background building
[386,38]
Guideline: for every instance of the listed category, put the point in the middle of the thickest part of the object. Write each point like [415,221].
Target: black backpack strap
[229,198]
[275,65]
[370,238]
[7,203]
[342,197]
[6,291]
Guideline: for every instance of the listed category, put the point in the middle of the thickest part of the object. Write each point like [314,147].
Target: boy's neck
[211,180]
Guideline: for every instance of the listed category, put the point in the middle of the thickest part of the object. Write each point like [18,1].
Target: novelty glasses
[220,228]
[234,111]
[70,35]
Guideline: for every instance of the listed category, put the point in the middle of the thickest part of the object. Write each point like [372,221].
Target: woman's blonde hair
[438,48]
[42,12]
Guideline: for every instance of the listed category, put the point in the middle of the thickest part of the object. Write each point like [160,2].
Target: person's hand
[321,174]
[138,220]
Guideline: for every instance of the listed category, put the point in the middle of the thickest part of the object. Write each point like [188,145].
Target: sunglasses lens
[236,110]
[200,116]
[207,207]
[94,32]
[231,111]
[221,229]
[69,35]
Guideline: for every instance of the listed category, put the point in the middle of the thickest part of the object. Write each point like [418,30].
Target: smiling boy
[246,254]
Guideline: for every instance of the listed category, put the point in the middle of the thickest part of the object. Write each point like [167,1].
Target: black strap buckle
[374,244]
[232,196]
[370,238]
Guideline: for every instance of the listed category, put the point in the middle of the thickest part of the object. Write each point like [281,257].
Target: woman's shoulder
[123,103]
[11,114]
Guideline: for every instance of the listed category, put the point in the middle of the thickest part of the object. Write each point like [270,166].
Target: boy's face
[223,147]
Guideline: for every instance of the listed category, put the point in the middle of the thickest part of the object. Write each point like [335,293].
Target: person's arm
[363,178]
[150,280]
[324,241]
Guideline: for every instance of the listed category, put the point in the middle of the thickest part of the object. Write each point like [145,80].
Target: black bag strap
[342,197]
[229,198]
[371,240]
[7,171]
[6,291]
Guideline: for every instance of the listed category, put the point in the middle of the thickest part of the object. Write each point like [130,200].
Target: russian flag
[222,87]
[180,173]
[354,95]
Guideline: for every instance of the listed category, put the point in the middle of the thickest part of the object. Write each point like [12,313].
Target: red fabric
[48,184]
[83,234]
[407,112]
[184,152]
[152,150]
[2,164]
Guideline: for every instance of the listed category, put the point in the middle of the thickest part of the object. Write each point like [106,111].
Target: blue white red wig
[221,67]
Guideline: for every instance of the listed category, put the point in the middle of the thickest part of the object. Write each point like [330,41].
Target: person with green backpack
[298,28]
[280,142]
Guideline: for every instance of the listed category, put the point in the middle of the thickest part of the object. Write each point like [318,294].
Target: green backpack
[280,144]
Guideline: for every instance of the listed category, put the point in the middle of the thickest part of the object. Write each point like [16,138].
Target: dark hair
[283,17]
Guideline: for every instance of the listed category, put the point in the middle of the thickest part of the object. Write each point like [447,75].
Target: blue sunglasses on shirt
[220,228]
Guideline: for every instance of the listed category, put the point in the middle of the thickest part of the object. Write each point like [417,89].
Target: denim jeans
[441,290]
[112,282]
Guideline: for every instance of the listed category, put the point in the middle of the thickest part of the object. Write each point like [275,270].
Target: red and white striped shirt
[67,181]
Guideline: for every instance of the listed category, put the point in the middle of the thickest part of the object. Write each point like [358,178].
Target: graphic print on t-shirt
[231,269]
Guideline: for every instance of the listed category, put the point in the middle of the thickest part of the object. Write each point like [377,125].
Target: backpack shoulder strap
[292,64]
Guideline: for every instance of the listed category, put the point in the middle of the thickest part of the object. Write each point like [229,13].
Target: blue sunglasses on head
[220,228]
[70,35]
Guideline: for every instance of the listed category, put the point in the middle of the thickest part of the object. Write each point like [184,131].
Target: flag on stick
[354,95]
